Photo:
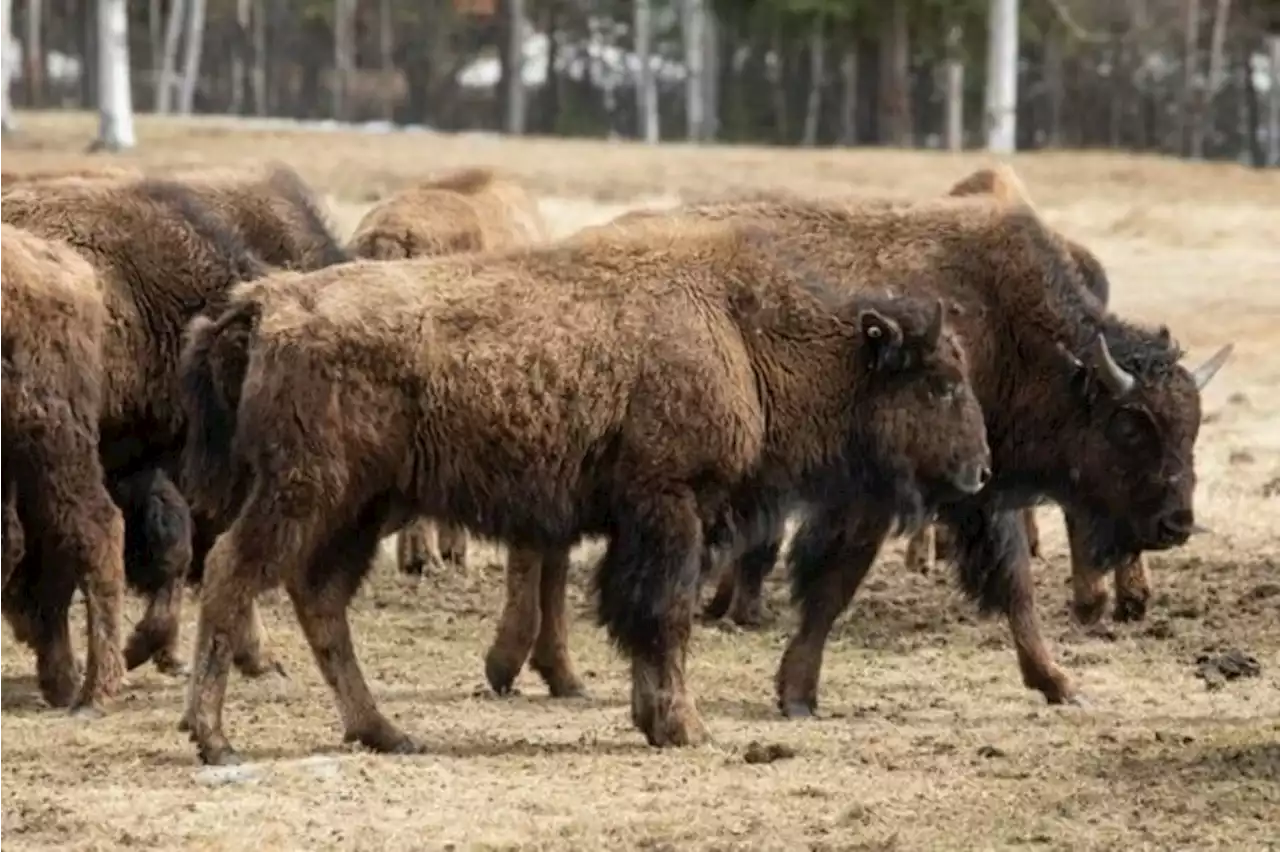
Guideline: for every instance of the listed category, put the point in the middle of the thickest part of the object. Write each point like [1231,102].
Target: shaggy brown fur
[161,257]
[1061,426]
[101,172]
[53,482]
[643,388]
[277,217]
[467,210]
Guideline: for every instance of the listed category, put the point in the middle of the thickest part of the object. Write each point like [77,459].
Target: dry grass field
[926,740]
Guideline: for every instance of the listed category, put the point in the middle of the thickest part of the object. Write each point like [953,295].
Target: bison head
[924,416]
[1135,460]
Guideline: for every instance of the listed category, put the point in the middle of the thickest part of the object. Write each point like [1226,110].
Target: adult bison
[1081,407]
[464,211]
[55,503]
[160,257]
[266,211]
[638,387]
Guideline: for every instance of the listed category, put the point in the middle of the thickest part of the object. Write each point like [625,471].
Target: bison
[464,211]
[160,257]
[644,387]
[1082,407]
[58,514]
[270,212]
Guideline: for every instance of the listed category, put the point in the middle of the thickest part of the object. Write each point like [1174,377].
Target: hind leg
[453,540]
[647,584]
[520,621]
[15,542]
[158,556]
[321,597]
[830,558]
[418,547]
[551,659]
[1032,531]
[922,550]
[747,607]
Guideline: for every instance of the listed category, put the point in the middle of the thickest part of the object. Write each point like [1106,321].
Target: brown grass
[930,742]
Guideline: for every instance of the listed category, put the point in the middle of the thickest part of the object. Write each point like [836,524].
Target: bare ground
[928,740]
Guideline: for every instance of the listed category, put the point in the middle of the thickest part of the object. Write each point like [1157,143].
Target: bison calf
[642,387]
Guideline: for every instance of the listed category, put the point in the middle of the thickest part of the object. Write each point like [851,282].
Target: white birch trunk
[646,83]
[954,72]
[167,80]
[817,70]
[693,56]
[1217,42]
[1002,85]
[7,123]
[260,58]
[238,72]
[1273,102]
[515,67]
[115,101]
[193,47]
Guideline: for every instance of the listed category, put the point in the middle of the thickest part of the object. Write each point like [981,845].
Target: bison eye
[1129,428]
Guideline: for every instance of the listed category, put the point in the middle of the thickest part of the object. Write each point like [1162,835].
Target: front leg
[830,557]
[994,564]
[1089,570]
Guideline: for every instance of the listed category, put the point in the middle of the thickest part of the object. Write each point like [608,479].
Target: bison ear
[883,336]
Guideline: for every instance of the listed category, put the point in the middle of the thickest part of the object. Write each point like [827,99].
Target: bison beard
[579,443]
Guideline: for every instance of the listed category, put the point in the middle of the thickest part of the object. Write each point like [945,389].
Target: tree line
[1194,78]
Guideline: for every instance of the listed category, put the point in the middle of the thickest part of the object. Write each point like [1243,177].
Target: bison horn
[1209,369]
[1197,529]
[1117,380]
[933,333]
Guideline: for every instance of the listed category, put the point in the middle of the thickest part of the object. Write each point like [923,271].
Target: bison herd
[203,386]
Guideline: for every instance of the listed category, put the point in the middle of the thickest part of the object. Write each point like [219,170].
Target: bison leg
[551,658]
[726,574]
[418,548]
[158,548]
[647,588]
[520,621]
[38,611]
[829,559]
[922,550]
[1032,530]
[1088,578]
[251,658]
[321,598]
[1088,582]
[453,541]
[15,544]
[995,570]
[747,607]
[83,532]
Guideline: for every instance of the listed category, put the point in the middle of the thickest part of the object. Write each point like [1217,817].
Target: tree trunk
[1002,84]
[260,58]
[711,35]
[1203,117]
[895,78]
[780,110]
[89,53]
[1055,86]
[1251,120]
[646,85]
[237,56]
[115,98]
[344,58]
[33,54]
[1190,73]
[194,46]
[515,117]
[155,41]
[168,76]
[954,71]
[7,124]
[1273,102]
[849,94]
[694,51]
[817,70]
[386,35]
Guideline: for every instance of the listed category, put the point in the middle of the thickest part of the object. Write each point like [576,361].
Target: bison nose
[1176,525]
[972,478]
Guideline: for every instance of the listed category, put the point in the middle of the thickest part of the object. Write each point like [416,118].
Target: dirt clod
[758,752]
[1271,488]
[1216,669]
[990,751]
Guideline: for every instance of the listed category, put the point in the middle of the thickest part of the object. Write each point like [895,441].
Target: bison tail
[214,362]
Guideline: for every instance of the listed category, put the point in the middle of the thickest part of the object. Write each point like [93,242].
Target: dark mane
[294,190]
[222,240]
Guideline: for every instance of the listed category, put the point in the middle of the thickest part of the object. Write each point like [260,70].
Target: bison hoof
[184,726]
[716,608]
[219,755]
[173,667]
[677,730]
[561,683]
[256,667]
[500,672]
[1130,609]
[1089,612]
[798,709]
[385,738]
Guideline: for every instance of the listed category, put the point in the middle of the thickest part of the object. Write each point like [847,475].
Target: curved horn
[1209,369]
[1116,379]
[933,333]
